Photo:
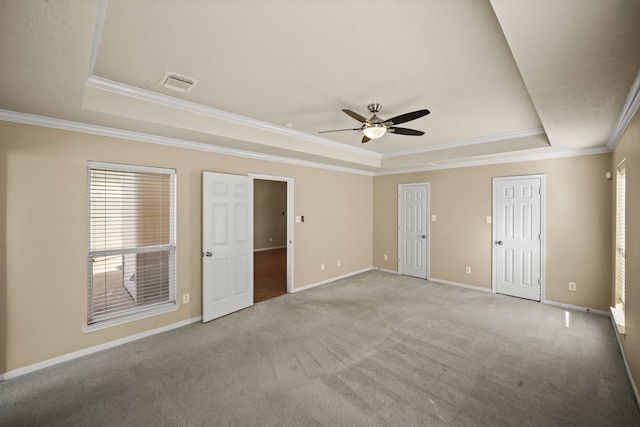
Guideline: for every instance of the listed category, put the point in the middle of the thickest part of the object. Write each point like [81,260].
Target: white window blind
[620,234]
[131,256]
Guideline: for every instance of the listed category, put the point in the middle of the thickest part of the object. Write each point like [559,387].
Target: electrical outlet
[385,257]
[185,298]
[270,239]
[433,218]
[572,286]
[467,270]
[321,266]
[339,262]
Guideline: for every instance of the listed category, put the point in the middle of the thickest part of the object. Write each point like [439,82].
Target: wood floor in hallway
[269,274]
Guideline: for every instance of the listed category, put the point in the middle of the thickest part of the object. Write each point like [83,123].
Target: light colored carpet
[374,349]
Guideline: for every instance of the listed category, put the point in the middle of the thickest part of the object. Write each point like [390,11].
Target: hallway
[270,274]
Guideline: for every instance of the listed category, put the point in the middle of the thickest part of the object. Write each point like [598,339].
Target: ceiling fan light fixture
[375,127]
[375,131]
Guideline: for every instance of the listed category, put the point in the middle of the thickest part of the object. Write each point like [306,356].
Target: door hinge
[539,282]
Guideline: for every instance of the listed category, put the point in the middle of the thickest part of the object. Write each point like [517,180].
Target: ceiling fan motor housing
[375,107]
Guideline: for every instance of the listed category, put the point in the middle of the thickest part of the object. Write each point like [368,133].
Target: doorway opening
[273,239]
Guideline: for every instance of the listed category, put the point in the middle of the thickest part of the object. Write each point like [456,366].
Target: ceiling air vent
[177,82]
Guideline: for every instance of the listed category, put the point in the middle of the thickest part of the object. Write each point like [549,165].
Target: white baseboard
[577,308]
[461,285]
[626,365]
[270,248]
[384,270]
[84,352]
[333,279]
[547,302]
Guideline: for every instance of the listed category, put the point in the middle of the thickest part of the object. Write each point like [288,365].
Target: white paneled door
[227,244]
[518,236]
[413,212]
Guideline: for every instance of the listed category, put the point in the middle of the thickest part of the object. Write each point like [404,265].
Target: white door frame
[290,221]
[494,232]
[428,216]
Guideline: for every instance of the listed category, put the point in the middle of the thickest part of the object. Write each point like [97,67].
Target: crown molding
[466,142]
[503,160]
[165,100]
[169,101]
[629,110]
[50,122]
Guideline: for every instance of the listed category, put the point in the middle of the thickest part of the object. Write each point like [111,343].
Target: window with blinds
[131,256]
[620,235]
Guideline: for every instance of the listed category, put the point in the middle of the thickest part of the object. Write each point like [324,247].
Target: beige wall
[578,232]
[629,149]
[43,224]
[269,202]
[43,229]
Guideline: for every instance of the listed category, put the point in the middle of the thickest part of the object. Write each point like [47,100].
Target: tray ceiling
[500,79]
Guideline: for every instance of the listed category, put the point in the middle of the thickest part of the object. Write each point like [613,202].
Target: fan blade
[337,130]
[407,117]
[405,131]
[365,139]
[356,116]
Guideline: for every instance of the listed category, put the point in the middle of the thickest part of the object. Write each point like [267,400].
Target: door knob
[499,242]
[209,254]
[424,236]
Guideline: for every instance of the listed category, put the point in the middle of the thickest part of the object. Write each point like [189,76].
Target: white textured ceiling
[500,77]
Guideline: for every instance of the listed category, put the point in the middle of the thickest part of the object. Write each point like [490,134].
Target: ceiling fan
[375,127]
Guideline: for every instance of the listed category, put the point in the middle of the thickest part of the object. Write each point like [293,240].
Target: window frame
[136,312]
[619,297]
[621,179]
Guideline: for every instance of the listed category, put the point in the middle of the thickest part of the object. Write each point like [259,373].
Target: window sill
[618,319]
[155,311]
